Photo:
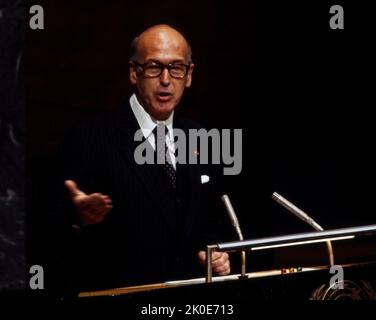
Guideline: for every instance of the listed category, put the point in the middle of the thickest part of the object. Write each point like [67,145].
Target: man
[143,223]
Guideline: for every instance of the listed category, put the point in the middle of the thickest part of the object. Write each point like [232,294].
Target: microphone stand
[243,261]
[235,223]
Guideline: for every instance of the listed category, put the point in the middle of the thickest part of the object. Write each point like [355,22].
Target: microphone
[296,211]
[235,222]
[231,213]
[305,217]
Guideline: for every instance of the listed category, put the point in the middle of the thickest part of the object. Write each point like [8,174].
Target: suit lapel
[125,125]
[193,185]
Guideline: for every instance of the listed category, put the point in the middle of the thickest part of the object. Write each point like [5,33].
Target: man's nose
[165,77]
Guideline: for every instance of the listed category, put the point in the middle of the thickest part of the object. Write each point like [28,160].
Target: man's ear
[189,76]
[132,72]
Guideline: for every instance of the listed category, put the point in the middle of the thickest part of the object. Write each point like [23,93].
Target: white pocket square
[204,179]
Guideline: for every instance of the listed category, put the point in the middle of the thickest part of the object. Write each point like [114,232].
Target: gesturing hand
[91,208]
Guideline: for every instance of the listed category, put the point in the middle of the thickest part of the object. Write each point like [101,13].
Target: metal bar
[299,237]
[330,252]
[209,268]
[243,265]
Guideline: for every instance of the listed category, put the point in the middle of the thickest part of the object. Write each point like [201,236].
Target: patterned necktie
[162,153]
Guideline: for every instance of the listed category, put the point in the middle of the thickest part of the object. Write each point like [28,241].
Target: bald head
[159,37]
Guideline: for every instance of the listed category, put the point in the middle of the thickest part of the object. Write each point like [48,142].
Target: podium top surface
[197,281]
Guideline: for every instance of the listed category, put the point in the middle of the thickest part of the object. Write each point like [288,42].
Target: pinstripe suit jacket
[146,238]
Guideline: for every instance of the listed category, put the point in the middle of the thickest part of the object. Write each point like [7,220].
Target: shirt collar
[146,122]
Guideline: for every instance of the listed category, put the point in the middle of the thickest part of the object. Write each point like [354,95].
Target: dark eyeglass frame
[162,67]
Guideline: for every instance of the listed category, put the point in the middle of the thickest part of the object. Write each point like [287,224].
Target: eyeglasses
[153,69]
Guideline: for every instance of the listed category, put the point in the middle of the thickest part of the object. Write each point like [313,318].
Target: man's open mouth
[164,96]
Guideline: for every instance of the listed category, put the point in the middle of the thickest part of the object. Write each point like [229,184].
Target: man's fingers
[107,199]
[97,205]
[86,203]
[93,208]
[222,266]
[95,199]
[220,262]
[224,270]
[73,189]
[215,256]
[202,256]
[94,214]
[218,255]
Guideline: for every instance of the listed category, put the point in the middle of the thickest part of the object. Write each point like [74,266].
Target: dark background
[301,92]
[12,147]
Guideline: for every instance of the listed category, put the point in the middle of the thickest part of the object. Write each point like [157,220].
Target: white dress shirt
[147,124]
